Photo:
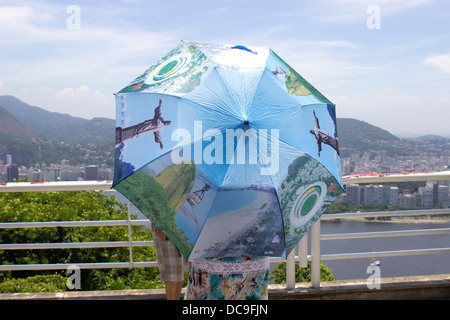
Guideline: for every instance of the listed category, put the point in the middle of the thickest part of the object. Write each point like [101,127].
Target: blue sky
[396,76]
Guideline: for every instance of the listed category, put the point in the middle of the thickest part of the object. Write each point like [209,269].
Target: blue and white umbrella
[227,150]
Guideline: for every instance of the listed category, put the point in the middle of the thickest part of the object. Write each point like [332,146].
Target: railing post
[303,252]
[290,270]
[130,238]
[315,254]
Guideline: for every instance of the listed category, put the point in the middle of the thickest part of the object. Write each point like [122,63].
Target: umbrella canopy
[227,150]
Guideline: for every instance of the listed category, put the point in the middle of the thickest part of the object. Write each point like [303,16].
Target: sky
[383,62]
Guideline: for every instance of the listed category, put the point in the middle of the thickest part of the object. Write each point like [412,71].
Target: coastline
[397,220]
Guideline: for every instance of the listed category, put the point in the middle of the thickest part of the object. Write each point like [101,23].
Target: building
[443,198]
[91,173]
[393,196]
[371,194]
[12,173]
[8,159]
[378,194]
[407,200]
[426,197]
[353,193]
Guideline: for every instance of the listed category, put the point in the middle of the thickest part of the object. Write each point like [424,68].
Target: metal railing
[316,236]
[104,185]
[300,254]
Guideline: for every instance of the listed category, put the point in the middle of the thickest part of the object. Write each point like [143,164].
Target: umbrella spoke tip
[246,122]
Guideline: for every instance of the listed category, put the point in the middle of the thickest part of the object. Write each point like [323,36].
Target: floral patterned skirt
[206,285]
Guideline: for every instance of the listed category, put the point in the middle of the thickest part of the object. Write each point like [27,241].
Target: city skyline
[434,193]
[383,62]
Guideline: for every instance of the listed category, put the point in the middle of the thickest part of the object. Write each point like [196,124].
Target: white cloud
[62,52]
[66,92]
[24,24]
[47,62]
[440,61]
[82,102]
[218,10]
[80,93]
[387,6]
[355,11]
[77,71]
[401,113]
[79,101]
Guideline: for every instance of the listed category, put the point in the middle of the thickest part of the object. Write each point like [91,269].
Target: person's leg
[173,289]
[171,264]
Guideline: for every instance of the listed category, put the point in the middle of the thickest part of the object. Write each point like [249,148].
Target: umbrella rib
[256,90]
[229,112]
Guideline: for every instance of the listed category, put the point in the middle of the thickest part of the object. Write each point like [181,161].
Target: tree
[278,274]
[71,206]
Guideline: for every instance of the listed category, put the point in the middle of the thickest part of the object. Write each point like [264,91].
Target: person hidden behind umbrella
[171,263]
[229,278]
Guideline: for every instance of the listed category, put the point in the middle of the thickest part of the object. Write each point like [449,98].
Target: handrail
[379,234]
[73,245]
[92,223]
[94,265]
[55,186]
[396,177]
[107,184]
[378,214]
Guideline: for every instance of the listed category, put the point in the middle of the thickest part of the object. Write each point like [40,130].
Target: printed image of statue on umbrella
[323,137]
[154,126]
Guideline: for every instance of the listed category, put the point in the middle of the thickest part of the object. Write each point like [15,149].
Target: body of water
[426,264]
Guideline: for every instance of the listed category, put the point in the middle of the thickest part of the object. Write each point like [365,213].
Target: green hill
[58,127]
[10,125]
[359,136]
[177,181]
[33,135]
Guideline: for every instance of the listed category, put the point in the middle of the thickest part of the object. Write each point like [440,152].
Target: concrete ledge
[397,288]
[135,294]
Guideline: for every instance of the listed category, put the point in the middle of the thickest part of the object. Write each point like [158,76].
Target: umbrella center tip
[246,121]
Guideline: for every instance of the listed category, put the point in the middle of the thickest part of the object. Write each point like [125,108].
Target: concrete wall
[399,288]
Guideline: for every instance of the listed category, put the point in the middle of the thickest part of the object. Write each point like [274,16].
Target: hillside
[177,181]
[363,129]
[10,125]
[59,127]
[27,153]
[359,136]
[33,135]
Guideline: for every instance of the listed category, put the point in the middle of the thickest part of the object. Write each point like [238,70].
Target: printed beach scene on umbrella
[227,150]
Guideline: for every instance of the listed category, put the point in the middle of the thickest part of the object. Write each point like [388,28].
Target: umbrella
[227,150]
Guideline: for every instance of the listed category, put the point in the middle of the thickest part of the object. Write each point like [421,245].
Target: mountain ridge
[10,125]
[37,125]
[58,127]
